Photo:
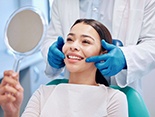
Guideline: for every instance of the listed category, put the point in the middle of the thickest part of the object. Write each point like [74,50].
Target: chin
[73,68]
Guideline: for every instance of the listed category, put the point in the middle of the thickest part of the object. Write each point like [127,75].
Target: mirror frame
[44,22]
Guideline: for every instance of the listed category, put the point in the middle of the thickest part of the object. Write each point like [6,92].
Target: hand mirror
[24,33]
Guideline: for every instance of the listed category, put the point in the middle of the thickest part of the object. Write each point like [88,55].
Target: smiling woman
[85,35]
[86,94]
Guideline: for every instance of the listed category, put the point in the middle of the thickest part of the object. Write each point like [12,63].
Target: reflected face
[82,42]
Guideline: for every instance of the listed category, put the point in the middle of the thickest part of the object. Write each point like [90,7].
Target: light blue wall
[43,6]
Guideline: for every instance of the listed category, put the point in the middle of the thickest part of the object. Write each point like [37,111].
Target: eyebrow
[72,34]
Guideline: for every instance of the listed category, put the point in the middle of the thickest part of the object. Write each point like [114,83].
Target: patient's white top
[75,100]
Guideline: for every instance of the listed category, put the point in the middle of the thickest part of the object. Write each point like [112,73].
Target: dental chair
[136,105]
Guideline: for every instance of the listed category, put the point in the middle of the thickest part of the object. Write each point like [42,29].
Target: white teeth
[74,57]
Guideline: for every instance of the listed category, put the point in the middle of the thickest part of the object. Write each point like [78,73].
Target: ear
[103,52]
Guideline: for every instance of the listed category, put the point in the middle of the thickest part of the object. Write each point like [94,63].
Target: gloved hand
[111,62]
[55,55]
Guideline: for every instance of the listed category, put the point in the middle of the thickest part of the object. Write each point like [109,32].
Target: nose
[75,46]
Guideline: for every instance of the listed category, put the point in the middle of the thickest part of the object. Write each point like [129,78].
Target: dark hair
[104,34]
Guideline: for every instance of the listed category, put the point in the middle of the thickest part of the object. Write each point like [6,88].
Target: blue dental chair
[136,105]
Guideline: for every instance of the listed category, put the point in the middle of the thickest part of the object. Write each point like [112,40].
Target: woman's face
[82,42]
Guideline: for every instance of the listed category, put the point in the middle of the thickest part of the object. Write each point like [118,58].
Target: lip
[73,57]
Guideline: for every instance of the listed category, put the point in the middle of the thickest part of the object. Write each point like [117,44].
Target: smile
[74,57]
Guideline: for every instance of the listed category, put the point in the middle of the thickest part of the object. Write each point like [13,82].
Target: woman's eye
[86,41]
[69,39]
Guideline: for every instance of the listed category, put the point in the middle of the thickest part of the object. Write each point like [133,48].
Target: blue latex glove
[111,62]
[55,55]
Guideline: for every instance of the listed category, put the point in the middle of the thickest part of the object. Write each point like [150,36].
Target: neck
[85,77]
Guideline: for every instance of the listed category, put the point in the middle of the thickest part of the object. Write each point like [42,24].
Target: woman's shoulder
[114,93]
[116,101]
[45,89]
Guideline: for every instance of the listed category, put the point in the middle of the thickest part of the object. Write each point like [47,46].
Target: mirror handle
[16,65]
